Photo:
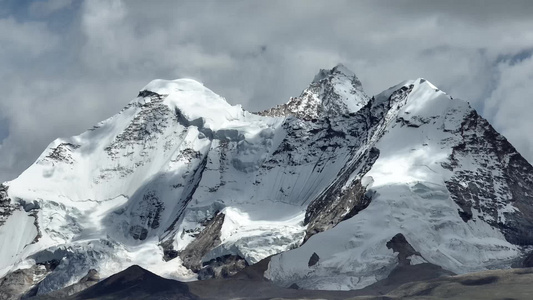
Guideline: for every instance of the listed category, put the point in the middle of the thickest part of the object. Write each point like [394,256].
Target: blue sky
[68,64]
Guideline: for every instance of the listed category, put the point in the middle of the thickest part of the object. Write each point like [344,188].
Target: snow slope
[181,180]
[409,197]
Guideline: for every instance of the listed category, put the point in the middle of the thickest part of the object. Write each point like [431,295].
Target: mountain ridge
[180,180]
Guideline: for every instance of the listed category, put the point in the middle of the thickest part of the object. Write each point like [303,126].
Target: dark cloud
[67,64]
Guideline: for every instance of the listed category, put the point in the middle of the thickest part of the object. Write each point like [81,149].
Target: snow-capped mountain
[339,188]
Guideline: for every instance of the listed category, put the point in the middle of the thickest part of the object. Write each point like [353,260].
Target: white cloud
[24,39]
[511,104]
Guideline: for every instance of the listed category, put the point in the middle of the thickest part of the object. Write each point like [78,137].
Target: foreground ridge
[137,283]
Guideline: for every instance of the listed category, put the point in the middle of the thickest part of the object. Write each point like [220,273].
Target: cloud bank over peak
[67,64]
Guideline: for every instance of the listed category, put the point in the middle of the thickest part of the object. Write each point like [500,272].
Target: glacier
[180,179]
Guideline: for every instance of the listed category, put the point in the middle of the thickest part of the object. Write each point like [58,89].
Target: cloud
[22,40]
[48,7]
[67,65]
[510,105]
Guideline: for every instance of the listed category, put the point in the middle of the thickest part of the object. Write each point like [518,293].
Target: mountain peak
[192,101]
[338,70]
[178,88]
[331,93]
[419,84]
[165,87]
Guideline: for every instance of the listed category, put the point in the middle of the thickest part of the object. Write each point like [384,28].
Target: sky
[65,65]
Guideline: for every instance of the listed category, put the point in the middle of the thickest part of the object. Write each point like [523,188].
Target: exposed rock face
[498,188]
[62,153]
[222,267]
[146,126]
[336,203]
[16,283]
[313,260]
[206,240]
[22,282]
[400,245]
[5,204]
[87,281]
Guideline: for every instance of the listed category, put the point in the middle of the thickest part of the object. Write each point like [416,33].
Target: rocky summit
[335,189]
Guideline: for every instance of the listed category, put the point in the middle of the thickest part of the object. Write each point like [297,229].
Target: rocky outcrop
[313,260]
[206,240]
[16,283]
[6,208]
[87,281]
[62,153]
[400,245]
[151,120]
[222,267]
[23,282]
[338,203]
